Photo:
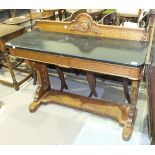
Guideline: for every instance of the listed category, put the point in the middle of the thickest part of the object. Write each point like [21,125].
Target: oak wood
[45,94]
[128,127]
[103,108]
[84,25]
[87,65]
[43,80]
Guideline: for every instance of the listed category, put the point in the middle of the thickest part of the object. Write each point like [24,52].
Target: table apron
[132,73]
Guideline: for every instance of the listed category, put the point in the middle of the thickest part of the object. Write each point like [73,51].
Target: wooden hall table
[82,44]
[8,32]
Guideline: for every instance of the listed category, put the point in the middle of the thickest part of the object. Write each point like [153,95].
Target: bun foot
[34,106]
[127,131]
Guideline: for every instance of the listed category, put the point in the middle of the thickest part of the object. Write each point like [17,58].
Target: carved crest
[84,23]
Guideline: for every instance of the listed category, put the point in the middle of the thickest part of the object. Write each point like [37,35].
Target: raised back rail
[84,25]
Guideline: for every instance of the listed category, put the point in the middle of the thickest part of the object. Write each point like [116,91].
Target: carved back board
[84,25]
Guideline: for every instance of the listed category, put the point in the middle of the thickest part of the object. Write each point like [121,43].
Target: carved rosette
[84,23]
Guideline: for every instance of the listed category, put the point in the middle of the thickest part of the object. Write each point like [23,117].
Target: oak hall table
[83,44]
[8,32]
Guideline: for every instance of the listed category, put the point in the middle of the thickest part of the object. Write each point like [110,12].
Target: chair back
[109,19]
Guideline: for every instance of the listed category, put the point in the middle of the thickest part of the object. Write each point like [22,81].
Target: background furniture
[143,21]
[127,14]
[4,14]
[109,18]
[73,15]
[8,32]
[9,13]
[61,13]
[27,21]
[21,21]
[96,14]
[39,15]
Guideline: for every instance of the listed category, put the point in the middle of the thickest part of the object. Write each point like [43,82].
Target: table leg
[44,84]
[34,74]
[128,127]
[92,83]
[6,56]
[62,79]
[126,90]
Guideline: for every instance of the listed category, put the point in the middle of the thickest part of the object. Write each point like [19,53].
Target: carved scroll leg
[128,128]
[34,74]
[44,84]
[126,90]
[92,84]
[62,79]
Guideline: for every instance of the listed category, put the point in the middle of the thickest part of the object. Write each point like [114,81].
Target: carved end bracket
[84,23]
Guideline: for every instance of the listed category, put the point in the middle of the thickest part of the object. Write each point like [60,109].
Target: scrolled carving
[84,23]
